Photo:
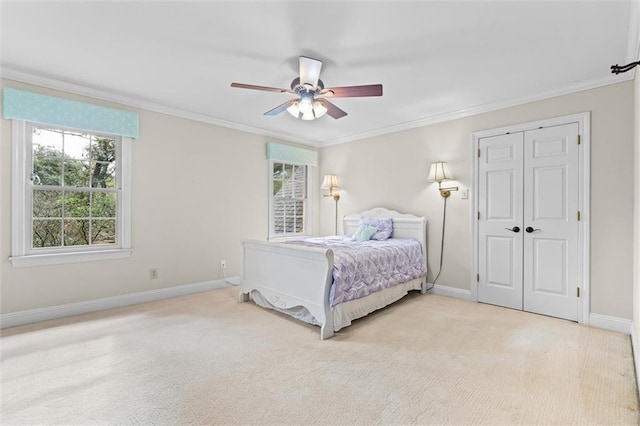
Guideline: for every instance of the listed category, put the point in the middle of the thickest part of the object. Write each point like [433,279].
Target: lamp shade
[439,171]
[294,110]
[308,115]
[319,109]
[330,182]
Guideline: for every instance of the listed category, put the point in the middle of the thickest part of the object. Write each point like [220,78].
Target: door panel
[551,146]
[550,207]
[500,207]
[550,267]
[499,152]
[499,273]
[551,181]
[501,195]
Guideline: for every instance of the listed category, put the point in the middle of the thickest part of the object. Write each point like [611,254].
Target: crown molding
[82,90]
[483,108]
[9,73]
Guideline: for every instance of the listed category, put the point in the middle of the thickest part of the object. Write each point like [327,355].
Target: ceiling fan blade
[353,91]
[332,110]
[280,108]
[263,88]
[309,71]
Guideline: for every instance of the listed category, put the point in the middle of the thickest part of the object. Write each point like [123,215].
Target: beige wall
[391,171]
[198,191]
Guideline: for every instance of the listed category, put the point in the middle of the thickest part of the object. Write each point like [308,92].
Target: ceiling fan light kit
[306,110]
[307,106]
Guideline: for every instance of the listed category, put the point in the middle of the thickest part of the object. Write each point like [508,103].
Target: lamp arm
[445,192]
[331,194]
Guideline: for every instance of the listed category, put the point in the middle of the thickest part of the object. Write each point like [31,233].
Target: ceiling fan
[311,101]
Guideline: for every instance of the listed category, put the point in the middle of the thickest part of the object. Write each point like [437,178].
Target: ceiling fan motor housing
[299,88]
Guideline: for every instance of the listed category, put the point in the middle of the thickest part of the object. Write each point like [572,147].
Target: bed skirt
[346,312]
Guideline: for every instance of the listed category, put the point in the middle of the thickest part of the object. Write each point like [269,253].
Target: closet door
[551,184]
[500,230]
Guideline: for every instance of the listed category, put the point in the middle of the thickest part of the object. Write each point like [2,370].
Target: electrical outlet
[223,264]
[153,273]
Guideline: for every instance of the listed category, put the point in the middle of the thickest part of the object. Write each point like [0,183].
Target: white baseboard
[233,280]
[607,322]
[444,290]
[636,352]
[53,312]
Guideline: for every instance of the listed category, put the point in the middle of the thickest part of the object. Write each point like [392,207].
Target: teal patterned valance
[43,109]
[292,154]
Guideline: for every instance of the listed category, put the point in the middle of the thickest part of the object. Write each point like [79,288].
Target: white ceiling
[436,60]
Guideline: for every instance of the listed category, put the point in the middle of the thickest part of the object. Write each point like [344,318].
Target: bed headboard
[404,225]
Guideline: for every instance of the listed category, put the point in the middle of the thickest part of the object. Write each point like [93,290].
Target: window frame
[307,203]
[22,251]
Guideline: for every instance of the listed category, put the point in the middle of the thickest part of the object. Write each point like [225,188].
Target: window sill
[61,258]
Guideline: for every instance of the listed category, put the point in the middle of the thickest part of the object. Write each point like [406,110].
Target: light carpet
[207,359]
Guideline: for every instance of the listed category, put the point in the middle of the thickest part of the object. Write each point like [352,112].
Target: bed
[297,277]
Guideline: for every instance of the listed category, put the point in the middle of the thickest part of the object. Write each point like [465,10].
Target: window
[74,195]
[71,198]
[289,189]
[288,200]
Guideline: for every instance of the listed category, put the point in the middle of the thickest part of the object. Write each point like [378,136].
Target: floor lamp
[330,182]
[440,171]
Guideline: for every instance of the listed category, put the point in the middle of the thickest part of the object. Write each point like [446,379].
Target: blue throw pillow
[364,233]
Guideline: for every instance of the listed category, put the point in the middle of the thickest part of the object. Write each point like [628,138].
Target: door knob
[530,229]
[514,229]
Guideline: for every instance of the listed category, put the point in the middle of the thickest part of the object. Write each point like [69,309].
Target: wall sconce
[330,182]
[440,171]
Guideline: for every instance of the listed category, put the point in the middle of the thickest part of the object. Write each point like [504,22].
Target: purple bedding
[364,267]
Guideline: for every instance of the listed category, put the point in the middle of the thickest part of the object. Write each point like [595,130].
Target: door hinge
[478,152]
[578,139]
[578,291]
[478,215]
[578,215]
[478,278]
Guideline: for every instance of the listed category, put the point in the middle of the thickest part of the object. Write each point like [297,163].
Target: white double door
[528,186]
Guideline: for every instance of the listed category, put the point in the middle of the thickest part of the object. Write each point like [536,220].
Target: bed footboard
[288,275]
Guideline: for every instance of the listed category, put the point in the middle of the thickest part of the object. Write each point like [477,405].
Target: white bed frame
[288,275]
